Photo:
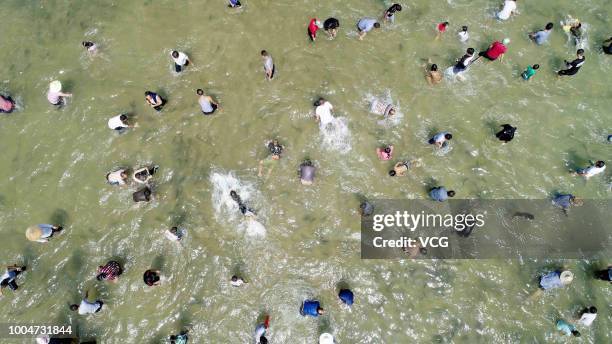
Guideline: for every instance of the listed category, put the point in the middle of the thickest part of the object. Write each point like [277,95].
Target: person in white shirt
[592,170]
[119,122]
[174,234]
[508,10]
[87,307]
[180,60]
[588,316]
[118,177]
[463,34]
[323,112]
[237,281]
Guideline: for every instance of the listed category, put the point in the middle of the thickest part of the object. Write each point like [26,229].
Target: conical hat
[566,277]
[34,233]
[55,86]
[326,338]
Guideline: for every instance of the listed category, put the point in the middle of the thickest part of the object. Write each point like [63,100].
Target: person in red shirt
[441,28]
[496,50]
[314,25]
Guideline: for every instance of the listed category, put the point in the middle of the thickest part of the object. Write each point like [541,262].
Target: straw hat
[55,86]
[566,277]
[34,233]
[318,24]
[326,338]
[506,41]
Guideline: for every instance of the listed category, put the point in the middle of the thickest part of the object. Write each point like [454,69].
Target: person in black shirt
[574,66]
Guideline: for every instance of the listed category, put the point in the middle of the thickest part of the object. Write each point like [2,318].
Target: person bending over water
[440,29]
[119,123]
[91,47]
[246,211]
[234,4]
[311,308]
[440,194]
[55,96]
[592,170]
[236,281]
[441,139]
[152,277]
[346,296]
[109,272]
[464,62]
[207,104]
[331,26]
[275,149]
[7,105]
[118,177]
[307,172]
[385,153]
[567,328]
[379,107]
[180,338]
[530,71]
[508,10]
[496,50]
[154,100]
[42,233]
[463,34]
[87,307]
[144,174]
[389,14]
[268,63]
[260,331]
[607,49]
[433,76]
[313,27]
[507,133]
[323,112]
[604,275]
[402,167]
[365,25]
[181,60]
[566,201]
[142,195]
[8,277]
[174,234]
[541,36]
[574,66]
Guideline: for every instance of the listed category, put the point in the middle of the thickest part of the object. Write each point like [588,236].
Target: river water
[54,163]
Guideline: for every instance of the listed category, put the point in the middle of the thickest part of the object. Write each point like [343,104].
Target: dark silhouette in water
[507,133]
[527,216]
[243,208]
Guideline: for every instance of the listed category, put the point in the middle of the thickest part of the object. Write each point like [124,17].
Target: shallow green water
[54,163]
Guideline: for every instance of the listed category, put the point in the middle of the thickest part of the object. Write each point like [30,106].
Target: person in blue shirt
[565,201]
[346,296]
[366,25]
[567,328]
[556,279]
[312,308]
[440,194]
[234,4]
[541,36]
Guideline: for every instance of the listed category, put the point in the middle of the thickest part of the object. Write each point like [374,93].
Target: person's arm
[65,94]
[259,173]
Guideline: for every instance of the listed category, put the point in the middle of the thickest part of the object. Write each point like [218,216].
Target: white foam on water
[336,136]
[226,209]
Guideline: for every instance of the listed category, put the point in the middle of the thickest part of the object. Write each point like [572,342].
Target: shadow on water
[158,263]
[342,284]
[574,161]
[60,217]
[75,264]
[324,324]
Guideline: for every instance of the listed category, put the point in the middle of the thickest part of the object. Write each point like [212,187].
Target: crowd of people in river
[323,114]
